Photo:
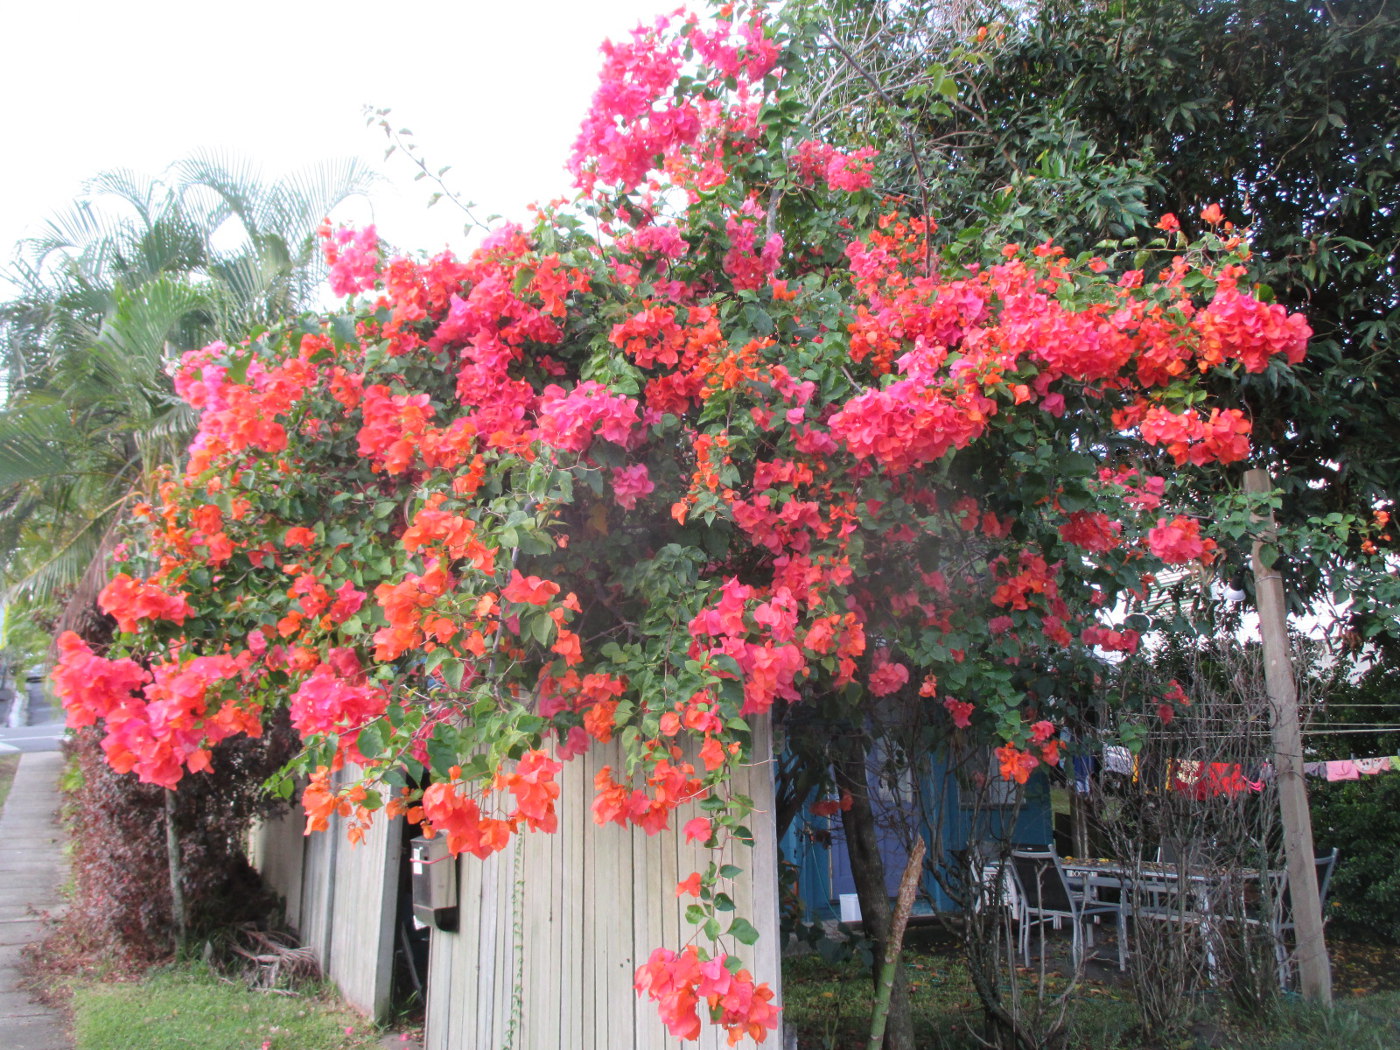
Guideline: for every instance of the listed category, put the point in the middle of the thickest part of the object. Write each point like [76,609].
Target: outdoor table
[1199,902]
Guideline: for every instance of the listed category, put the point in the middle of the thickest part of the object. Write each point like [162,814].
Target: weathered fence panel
[341,899]
[553,929]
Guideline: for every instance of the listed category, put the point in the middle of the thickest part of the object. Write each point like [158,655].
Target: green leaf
[452,671]
[743,931]
[372,738]
[542,628]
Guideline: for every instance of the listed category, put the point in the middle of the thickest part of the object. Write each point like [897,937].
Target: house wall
[816,845]
[553,929]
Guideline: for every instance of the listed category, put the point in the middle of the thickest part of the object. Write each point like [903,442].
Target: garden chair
[1282,915]
[1044,894]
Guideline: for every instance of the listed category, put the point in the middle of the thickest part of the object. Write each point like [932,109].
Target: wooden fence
[340,899]
[551,931]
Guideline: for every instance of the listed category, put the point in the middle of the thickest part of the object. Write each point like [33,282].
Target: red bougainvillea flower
[1179,541]
[959,711]
[888,676]
[130,600]
[679,982]
[529,590]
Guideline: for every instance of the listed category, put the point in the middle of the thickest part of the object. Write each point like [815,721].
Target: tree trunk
[889,968]
[868,870]
[177,892]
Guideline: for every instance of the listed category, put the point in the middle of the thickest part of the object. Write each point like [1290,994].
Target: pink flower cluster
[166,729]
[748,59]
[1179,541]
[679,982]
[886,676]
[1222,437]
[769,668]
[631,484]
[632,120]
[353,258]
[848,172]
[130,600]
[1237,327]
[749,265]
[329,703]
[908,423]
[569,420]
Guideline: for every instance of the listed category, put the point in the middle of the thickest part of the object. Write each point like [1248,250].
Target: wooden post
[1314,969]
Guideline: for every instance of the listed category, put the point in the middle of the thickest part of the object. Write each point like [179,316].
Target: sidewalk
[33,868]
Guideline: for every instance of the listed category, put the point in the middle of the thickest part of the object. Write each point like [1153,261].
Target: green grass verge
[188,1008]
[830,1008]
[8,765]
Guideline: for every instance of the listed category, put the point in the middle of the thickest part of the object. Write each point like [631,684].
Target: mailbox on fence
[434,883]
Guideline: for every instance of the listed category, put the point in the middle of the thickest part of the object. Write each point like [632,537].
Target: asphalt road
[41,728]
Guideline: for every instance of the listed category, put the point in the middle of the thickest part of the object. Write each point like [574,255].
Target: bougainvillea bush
[729,431]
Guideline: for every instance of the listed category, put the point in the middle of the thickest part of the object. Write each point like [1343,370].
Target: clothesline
[1207,778]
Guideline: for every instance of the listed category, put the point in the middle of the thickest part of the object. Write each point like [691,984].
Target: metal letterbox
[434,883]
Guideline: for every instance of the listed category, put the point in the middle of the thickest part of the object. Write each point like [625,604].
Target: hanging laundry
[1371,766]
[1083,773]
[1185,772]
[1117,759]
[1395,762]
[1314,769]
[1207,780]
[1342,769]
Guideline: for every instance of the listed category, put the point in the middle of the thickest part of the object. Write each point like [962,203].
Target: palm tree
[111,292]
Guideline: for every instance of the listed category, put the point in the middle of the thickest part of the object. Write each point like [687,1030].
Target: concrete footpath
[33,869]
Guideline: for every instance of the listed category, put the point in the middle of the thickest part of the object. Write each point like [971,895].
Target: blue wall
[815,845]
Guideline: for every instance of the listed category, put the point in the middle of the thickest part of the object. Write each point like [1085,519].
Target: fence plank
[597,901]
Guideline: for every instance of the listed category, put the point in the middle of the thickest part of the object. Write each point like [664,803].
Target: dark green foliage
[1287,113]
[121,893]
[1084,121]
[1362,819]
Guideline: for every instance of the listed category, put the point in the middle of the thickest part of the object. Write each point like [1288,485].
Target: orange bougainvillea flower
[1212,215]
[1016,764]
[529,590]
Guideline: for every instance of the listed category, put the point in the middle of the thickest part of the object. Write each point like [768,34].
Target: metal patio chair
[1045,894]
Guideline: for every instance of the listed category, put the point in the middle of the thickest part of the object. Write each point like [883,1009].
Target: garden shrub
[1362,819]
[121,881]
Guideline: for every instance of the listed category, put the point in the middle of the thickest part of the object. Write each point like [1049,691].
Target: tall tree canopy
[1082,121]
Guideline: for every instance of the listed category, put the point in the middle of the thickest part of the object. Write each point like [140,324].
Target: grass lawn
[189,1008]
[8,765]
[829,1006]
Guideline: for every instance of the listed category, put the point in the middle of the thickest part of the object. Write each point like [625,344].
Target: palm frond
[31,443]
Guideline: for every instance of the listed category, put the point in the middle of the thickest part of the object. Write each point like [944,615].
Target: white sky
[497,90]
